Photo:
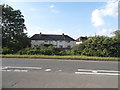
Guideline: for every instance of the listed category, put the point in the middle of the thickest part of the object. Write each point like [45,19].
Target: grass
[58,57]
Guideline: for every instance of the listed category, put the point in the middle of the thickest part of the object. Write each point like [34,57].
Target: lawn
[60,57]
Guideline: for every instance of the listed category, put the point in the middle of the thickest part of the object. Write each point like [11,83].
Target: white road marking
[97,73]
[20,70]
[3,70]
[17,69]
[48,70]
[14,70]
[98,70]
[24,67]
[108,71]
[59,70]
[94,71]
[8,70]
[84,70]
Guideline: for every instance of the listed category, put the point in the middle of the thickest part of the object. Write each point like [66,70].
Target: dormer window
[68,41]
[46,41]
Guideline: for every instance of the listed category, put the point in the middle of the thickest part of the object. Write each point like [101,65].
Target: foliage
[14,39]
[77,50]
[99,46]
[13,36]
[39,50]
[117,32]
[5,50]
[76,57]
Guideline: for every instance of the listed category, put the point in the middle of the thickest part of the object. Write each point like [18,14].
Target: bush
[41,50]
[98,46]
[5,50]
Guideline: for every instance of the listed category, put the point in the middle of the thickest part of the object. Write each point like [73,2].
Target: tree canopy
[117,32]
[13,36]
[99,46]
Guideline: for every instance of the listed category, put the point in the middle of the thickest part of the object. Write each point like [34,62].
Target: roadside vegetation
[13,27]
[76,57]
[16,43]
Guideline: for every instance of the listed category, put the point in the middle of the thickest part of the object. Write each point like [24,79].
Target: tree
[99,46]
[117,32]
[13,36]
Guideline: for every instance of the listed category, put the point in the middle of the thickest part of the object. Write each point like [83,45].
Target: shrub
[99,46]
[5,50]
[43,50]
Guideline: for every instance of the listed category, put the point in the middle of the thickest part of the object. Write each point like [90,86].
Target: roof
[51,37]
[81,38]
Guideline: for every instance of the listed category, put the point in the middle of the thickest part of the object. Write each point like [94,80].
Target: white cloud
[97,18]
[105,32]
[36,30]
[110,9]
[52,6]
[53,9]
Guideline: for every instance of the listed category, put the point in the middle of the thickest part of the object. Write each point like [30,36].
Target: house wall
[56,44]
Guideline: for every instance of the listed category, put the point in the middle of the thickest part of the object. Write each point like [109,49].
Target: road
[48,73]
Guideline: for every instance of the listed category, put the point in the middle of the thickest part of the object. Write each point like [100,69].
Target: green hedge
[98,46]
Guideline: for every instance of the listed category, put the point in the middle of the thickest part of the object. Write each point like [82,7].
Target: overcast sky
[72,18]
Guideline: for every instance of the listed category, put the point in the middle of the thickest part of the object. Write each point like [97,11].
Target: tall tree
[117,32]
[13,36]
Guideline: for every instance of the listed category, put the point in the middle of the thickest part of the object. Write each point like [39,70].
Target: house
[81,39]
[58,41]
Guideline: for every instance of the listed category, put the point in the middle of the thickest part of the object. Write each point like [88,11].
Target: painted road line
[8,70]
[15,67]
[90,70]
[14,70]
[3,70]
[59,70]
[48,70]
[84,70]
[96,73]
[20,70]
[108,71]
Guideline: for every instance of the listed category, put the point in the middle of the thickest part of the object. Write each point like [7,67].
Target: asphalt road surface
[48,73]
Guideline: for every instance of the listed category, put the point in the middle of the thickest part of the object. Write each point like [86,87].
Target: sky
[71,18]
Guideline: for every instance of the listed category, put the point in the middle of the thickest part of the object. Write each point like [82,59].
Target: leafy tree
[77,50]
[13,36]
[99,46]
[117,32]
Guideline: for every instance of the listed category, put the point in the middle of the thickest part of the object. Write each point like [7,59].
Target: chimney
[63,35]
[40,34]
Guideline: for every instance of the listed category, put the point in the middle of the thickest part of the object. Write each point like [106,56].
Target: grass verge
[61,57]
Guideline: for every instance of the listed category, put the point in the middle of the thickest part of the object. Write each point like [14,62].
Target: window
[60,46]
[69,46]
[68,41]
[35,45]
[46,41]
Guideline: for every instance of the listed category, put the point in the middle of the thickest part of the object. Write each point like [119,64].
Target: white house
[58,41]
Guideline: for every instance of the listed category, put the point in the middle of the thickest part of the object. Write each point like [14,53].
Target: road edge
[78,59]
